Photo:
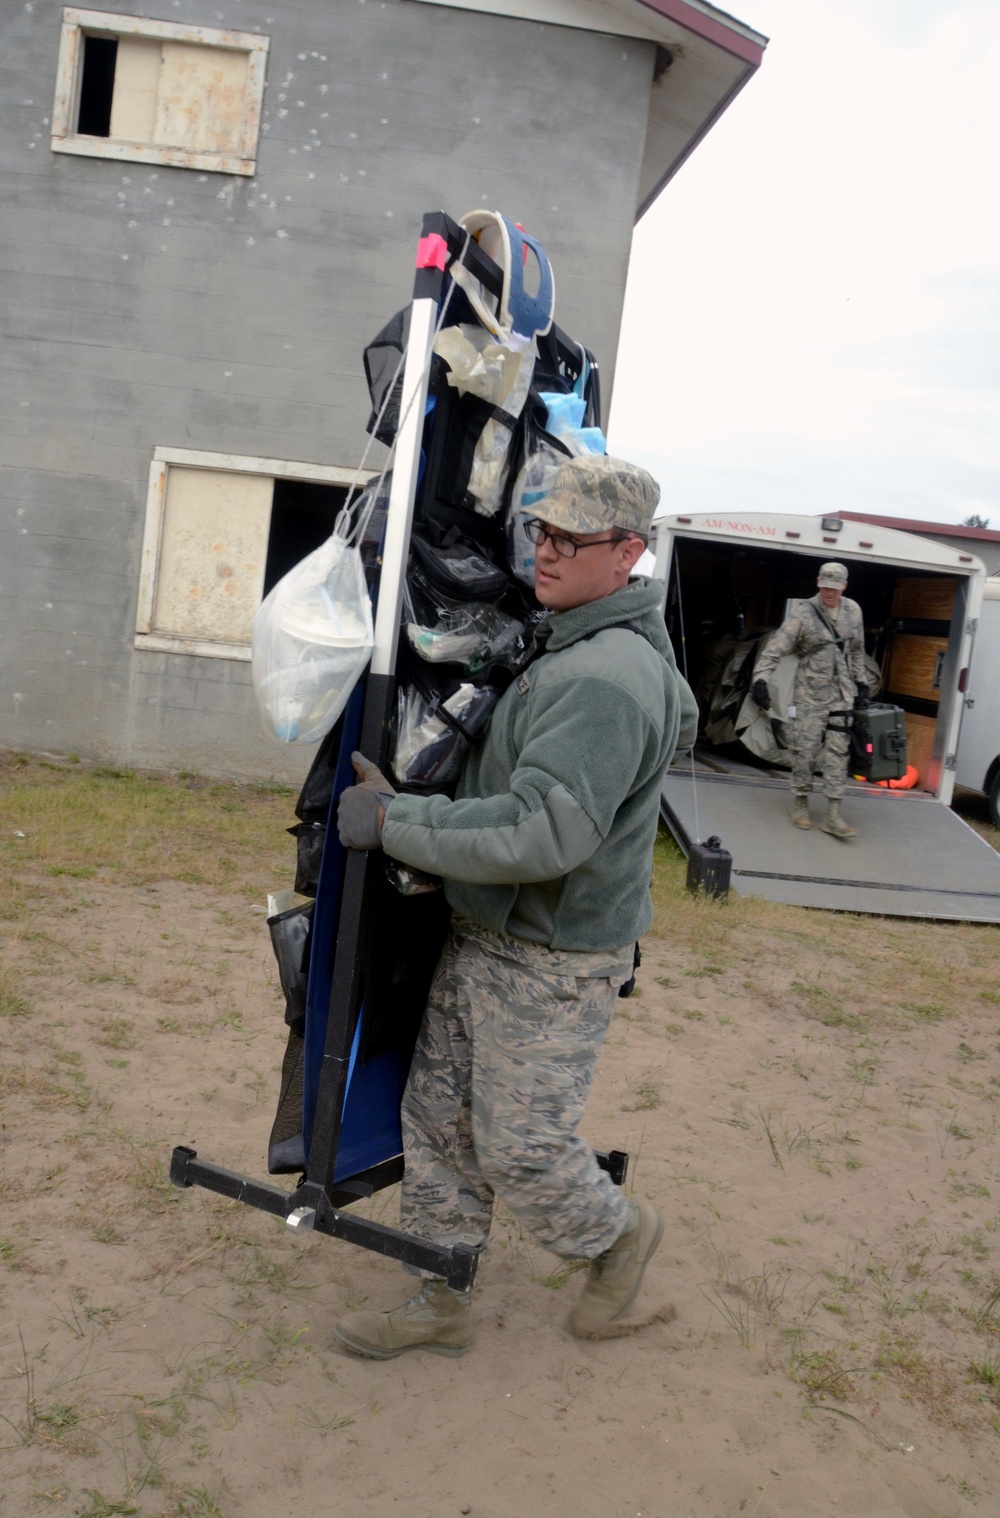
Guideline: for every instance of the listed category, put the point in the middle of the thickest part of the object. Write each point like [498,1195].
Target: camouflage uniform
[826,684]
[497,1087]
[546,854]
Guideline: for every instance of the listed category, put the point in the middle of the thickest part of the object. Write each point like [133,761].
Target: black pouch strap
[417,674]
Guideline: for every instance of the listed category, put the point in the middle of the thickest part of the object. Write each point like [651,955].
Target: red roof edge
[909,524]
[713,28]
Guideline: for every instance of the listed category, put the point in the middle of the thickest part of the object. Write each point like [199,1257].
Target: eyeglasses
[536,532]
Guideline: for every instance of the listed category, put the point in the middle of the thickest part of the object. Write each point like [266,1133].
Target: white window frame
[78,24]
[156,500]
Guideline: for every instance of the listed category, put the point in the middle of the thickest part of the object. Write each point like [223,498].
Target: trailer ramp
[913,856]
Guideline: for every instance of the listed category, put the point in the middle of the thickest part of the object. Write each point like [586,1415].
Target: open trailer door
[731,578]
[912,857]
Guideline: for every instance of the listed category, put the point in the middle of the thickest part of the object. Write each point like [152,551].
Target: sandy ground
[824,1150]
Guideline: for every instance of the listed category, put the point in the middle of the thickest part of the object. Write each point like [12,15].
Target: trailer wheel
[994,800]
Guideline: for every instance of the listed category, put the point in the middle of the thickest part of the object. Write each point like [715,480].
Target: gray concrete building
[206,216]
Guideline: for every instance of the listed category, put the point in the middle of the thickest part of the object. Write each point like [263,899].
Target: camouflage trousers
[809,735]
[500,1074]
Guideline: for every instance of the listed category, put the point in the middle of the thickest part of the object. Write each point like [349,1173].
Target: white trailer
[979,740]
[734,573]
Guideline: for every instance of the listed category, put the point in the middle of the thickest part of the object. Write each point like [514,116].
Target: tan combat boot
[834,824]
[616,1275]
[799,813]
[437,1319]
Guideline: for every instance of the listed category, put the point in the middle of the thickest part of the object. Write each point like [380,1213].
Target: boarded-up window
[220,531]
[156,92]
[212,554]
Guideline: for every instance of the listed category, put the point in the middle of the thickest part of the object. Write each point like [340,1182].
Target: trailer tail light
[793,534]
[685,519]
[965,558]
[963,680]
[862,544]
[829,540]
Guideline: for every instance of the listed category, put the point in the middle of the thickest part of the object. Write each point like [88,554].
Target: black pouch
[381,360]
[402,943]
[290,938]
[423,693]
[628,986]
[436,764]
[313,804]
[447,563]
[286,1148]
[309,839]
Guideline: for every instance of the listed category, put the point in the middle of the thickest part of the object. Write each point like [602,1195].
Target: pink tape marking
[432,252]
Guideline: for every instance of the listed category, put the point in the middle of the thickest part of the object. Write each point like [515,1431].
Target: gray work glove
[761,695]
[362,807]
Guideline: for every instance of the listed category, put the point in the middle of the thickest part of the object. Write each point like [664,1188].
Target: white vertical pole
[403,491]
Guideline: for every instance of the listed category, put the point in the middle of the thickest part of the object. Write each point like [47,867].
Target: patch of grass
[149,1179]
[976,1245]
[987,1373]
[821,1374]
[111,977]
[12,1004]
[284,1336]
[960,1189]
[11,1254]
[645,1096]
[558,1278]
[101,1507]
[925,1012]
[118,1033]
[139,828]
[59,1417]
[963,1487]
[738,1313]
[927,1379]
[107,1233]
[197,1502]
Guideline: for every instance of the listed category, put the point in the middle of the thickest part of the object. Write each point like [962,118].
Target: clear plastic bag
[408,881]
[429,749]
[564,415]
[499,372]
[565,421]
[473,636]
[312,637]
[530,489]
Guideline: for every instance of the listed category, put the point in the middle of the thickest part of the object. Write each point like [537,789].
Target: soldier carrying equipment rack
[352,1091]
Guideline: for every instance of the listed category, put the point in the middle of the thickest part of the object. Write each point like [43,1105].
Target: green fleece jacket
[550,835]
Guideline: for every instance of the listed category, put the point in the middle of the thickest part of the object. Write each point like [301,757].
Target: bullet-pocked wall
[154,306]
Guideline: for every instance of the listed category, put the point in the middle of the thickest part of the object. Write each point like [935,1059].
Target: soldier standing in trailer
[546,854]
[828,635]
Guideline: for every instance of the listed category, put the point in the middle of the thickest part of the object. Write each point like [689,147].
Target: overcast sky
[813,308]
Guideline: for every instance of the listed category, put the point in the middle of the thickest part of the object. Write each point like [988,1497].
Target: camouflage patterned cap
[834,575]
[594,492]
